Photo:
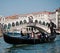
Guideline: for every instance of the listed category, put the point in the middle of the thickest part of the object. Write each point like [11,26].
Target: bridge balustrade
[33,24]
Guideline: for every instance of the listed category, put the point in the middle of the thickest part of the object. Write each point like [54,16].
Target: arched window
[25,21]
[27,29]
[36,21]
[21,22]
[43,23]
[13,24]
[5,26]
[17,23]
[39,22]
[47,24]
[9,25]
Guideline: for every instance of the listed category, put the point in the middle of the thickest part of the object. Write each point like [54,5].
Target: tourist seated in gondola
[39,35]
[27,36]
[43,35]
[32,35]
[21,33]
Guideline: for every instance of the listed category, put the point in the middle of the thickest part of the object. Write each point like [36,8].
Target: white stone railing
[33,24]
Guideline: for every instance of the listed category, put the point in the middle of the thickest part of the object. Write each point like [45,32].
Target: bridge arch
[21,22]
[39,26]
[9,25]
[17,23]
[24,21]
[42,27]
[47,24]
[13,24]
[36,21]
[5,26]
[40,22]
[43,23]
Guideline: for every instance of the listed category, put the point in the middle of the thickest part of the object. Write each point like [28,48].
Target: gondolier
[51,26]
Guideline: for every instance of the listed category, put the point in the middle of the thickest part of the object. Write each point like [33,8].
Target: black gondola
[27,40]
[20,40]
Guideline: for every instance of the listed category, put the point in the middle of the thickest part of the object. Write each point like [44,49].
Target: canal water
[53,47]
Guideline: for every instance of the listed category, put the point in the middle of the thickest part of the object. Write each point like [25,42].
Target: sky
[11,7]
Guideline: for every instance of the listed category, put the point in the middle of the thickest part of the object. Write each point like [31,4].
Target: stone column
[56,19]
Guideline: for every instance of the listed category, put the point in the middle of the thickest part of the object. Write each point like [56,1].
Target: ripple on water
[53,47]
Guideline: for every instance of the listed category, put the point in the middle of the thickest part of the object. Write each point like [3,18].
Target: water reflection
[18,48]
[39,48]
[53,47]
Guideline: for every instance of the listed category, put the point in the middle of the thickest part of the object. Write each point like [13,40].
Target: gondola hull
[18,40]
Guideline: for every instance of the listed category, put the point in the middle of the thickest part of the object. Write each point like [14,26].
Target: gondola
[21,40]
[18,40]
[43,38]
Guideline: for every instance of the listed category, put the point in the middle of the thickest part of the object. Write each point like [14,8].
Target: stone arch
[47,24]
[36,21]
[21,22]
[25,21]
[13,24]
[9,25]
[17,23]
[43,23]
[40,22]
[5,26]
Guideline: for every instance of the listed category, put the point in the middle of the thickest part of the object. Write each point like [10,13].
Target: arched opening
[29,28]
[36,21]
[9,25]
[43,23]
[17,23]
[13,24]
[21,22]
[25,21]
[39,22]
[5,26]
[47,24]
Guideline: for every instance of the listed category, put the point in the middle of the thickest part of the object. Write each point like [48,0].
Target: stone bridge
[39,26]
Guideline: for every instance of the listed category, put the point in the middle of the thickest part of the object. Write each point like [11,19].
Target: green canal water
[53,47]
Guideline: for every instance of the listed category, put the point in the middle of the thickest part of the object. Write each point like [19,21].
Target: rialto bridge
[20,25]
[40,20]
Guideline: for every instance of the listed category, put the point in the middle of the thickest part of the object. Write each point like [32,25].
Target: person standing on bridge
[51,25]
